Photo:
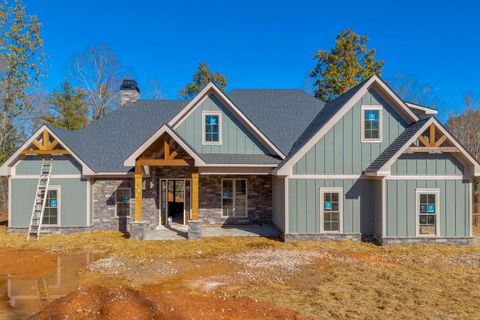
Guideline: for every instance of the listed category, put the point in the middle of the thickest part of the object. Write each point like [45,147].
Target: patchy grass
[342,280]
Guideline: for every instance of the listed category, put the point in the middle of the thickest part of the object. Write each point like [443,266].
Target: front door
[174,200]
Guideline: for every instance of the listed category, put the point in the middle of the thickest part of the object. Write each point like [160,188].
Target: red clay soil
[29,264]
[95,302]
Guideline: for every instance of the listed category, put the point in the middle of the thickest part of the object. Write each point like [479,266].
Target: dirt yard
[244,278]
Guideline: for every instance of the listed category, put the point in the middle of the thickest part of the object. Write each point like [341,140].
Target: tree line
[91,88]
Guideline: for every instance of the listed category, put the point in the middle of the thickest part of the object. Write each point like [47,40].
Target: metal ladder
[40,199]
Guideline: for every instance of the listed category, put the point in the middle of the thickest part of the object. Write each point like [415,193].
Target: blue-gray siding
[359,205]
[278,200]
[235,137]
[73,201]
[421,164]
[401,211]
[61,165]
[341,151]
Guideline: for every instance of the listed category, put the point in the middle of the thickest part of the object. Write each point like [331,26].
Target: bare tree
[465,127]
[410,89]
[156,90]
[97,71]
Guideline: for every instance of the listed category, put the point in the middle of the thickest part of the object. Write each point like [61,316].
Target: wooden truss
[162,154]
[45,145]
[429,143]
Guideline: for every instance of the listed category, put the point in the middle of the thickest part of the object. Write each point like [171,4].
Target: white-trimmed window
[212,128]
[427,212]
[234,198]
[122,202]
[371,117]
[51,214]
[331,210]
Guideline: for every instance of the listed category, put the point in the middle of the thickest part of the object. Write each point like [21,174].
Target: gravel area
[271,264]
[467,260]
[136,270]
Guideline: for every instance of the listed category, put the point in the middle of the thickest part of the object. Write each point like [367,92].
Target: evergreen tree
[200,80]
[344,66]
[67,108]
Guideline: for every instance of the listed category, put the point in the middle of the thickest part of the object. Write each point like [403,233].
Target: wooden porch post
[138,192]
[195,176]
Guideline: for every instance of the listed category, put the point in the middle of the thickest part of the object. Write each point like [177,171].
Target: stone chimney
[129,92]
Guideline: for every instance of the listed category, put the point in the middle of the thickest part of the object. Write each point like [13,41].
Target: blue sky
[266,44]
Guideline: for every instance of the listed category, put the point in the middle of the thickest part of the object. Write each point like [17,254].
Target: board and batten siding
[73,201]
[278,199]
[424,164]
[235,137]
[61,166]
[73,191]
[340,150]
[360,204]
[401,207]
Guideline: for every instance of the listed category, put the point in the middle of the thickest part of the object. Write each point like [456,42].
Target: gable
[341,150]
[424,164]
[236,139]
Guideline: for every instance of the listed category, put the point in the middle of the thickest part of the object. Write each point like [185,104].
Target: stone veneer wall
[259,189]
[259,202]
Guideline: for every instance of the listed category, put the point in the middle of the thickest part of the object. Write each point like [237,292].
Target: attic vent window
[371,123]
[212,128]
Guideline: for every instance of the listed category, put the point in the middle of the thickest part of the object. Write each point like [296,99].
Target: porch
[180,232]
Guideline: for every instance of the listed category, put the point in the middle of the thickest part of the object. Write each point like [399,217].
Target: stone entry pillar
[195,224]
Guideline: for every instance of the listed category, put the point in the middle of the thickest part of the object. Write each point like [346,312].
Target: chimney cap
[129,84]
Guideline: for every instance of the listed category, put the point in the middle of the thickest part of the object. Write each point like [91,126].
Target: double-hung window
[52,206]
[331,210]
[427,204]
[122,202]
[234,198]
[212,128]
[371,118]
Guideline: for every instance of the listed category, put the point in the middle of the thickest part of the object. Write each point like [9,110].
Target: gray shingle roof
[327,112]
[105,144]
[217,158]
[396,145]
[281,115]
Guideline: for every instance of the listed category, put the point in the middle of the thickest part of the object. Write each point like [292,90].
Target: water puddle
[30,280]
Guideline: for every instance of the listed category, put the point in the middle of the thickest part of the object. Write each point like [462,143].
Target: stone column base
[138,229]
[194,229]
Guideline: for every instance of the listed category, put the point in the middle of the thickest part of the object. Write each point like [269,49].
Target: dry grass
[347,281]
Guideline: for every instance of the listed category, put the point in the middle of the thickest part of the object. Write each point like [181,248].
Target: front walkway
[179,232]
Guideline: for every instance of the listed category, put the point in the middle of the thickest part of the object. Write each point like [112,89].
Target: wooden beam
[138,192]
[423,141]
[39,145]
[173,155]
[166,149]
[195,177]
[44,152]
[52,145]
[46,138]
[440,141]
[432,149]
[163,162]
[432,135]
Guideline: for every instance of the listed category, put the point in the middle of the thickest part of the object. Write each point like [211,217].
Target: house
[366,164]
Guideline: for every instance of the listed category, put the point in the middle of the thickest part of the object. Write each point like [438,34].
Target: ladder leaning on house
[40,199]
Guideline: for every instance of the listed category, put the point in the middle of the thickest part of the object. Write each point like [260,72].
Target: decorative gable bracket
[428,142]
[45,145]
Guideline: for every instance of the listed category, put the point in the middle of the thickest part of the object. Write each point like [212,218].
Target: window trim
[340,208]
[380,123]
[57,188]
[204,116]
[418,192]
[129,202]
[234,197]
